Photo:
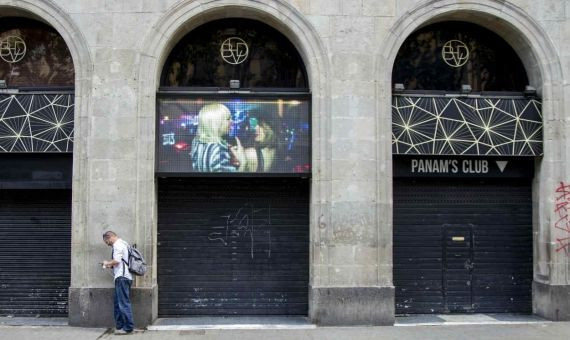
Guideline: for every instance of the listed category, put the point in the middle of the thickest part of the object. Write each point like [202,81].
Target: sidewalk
[543,331]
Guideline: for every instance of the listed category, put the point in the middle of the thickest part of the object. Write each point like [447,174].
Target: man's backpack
[136,263]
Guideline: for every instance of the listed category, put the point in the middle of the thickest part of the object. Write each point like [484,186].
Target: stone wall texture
[348,47]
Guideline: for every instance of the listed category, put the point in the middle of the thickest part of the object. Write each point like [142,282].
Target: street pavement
[543,331]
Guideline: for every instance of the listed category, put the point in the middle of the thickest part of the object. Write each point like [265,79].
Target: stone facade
[348,47]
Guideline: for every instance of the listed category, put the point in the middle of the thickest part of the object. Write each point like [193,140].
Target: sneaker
[122,332]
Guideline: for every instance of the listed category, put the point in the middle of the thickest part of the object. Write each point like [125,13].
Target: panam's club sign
[462,167]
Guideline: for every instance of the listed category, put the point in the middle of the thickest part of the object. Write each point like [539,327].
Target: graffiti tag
[562,225]
[246,223]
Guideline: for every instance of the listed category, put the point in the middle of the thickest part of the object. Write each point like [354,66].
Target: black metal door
[457,267]
[233,246]
[35,256]
[489,270]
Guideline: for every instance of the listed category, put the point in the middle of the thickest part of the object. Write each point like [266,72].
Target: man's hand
[109,264]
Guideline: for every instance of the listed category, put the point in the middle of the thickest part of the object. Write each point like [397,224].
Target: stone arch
[526,36]
[529,40]
[164,35]
[50,13]
[544,70]
[182,18]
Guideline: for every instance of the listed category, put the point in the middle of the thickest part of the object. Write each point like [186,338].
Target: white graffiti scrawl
[246,223]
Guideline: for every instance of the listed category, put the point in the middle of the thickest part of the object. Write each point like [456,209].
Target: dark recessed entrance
[462,245]
[466,128]
[233,246]
[37,106]
[233,168]
[35,228]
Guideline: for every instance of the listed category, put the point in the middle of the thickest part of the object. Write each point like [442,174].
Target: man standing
[123,280]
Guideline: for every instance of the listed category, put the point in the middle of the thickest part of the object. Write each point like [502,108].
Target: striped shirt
[211,157]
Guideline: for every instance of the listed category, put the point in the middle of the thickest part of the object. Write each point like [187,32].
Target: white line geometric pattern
[466,126]
[36,122]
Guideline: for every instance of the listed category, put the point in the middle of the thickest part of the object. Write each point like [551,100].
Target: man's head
[109,238]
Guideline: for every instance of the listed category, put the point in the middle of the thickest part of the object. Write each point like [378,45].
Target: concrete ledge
[93,307]
[352,306]
[551,301]
[231,322]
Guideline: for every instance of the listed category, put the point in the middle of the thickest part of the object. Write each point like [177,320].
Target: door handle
[468,264]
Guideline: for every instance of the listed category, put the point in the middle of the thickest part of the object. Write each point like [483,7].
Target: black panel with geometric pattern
[36,122]
[439,125]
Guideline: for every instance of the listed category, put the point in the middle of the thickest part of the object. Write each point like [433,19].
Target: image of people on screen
[233,135]
[260,155]
[210,149]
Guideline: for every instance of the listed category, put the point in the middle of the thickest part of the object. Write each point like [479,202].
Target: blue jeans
[123,310]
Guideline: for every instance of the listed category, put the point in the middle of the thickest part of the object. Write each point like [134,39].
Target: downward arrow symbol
[502,165]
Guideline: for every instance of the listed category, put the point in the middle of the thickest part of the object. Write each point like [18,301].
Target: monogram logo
[12,49]
[455,53]
[234,50]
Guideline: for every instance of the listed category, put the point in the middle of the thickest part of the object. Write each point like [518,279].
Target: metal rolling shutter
[462,246]
[35,256]
[233,246]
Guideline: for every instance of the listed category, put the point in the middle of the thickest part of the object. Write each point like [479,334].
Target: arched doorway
[233,168]
[37,78]
[466,128]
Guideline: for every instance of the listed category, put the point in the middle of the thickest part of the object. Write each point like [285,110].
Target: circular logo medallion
[455,53]
[12,49]
[234,50]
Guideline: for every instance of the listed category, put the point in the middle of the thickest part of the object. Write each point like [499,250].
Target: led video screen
[236,135]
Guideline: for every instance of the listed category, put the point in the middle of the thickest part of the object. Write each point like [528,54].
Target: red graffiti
[565,190]
[563,222]
[564,244]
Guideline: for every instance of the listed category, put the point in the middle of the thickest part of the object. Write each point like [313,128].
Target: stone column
[551,207]
[114,187]
[351,279]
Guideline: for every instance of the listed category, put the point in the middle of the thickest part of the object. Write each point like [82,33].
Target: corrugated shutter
[233,246]
[462,246]
[35,256]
